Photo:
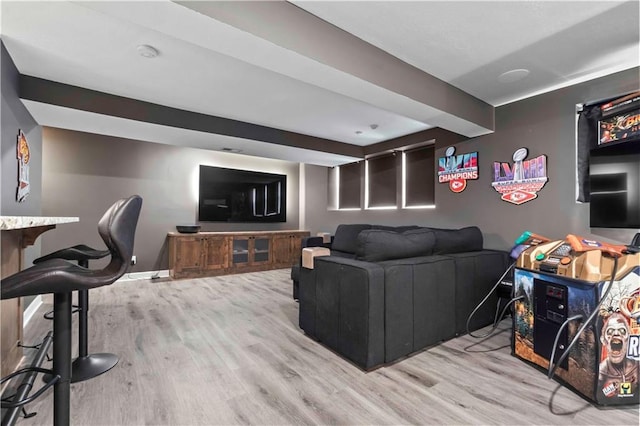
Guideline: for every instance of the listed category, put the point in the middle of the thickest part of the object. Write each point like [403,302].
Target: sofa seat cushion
[375,245]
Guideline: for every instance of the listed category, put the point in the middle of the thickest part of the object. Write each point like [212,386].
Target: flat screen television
[230,195]
[614,175]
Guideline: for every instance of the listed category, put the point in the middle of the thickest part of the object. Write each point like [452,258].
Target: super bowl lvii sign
[520,182]
[457,169]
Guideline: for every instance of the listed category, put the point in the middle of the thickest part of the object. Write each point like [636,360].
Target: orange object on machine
[580,244]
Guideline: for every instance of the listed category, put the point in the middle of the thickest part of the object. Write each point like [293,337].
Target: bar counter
[17,233]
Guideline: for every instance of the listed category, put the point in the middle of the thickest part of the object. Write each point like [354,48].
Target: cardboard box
[326,237]
[309,253]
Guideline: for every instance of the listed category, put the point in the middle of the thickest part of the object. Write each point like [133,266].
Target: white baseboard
[146,275]
[132,276]
[31,310]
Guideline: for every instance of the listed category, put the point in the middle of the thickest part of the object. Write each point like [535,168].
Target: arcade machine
[577,314]
[504,285]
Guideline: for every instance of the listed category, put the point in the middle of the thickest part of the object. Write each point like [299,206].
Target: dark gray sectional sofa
[387,292]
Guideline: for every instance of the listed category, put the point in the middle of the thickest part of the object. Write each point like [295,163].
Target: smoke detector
[147,51]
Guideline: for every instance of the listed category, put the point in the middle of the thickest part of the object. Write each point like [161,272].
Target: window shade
[349,186]
[420,176]
[382,181]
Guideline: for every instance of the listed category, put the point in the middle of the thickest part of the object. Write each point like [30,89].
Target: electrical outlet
[134,260]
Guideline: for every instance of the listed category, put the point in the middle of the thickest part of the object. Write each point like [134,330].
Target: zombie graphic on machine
[618,374]
[620,339]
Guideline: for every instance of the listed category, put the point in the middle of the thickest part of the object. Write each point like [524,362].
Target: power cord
[584,325]
[495,325]
[555,344]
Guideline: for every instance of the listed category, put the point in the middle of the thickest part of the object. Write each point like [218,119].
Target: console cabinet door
[216,253]
[281,248]
[260,250]
[251,250]
[296,248]
[286,249]
[187,256]
[240,251]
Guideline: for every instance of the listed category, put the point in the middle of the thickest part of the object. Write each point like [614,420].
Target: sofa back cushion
[346,237]
[375,245]
[400,229]
[457,240]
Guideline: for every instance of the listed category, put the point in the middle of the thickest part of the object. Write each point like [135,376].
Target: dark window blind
[420,176]
[382,181]
[349,186]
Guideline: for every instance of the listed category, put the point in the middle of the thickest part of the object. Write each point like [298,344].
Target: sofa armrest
[419,304]
[306,242]
[350,262]
[476,274]
[315,241]
[342,305]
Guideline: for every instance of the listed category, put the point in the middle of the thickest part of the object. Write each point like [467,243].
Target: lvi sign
[457,169]
[520,182]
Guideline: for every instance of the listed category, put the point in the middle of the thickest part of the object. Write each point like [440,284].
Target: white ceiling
[208,66]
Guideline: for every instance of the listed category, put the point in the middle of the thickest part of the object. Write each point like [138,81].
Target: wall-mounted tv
[231,195]
[614,174]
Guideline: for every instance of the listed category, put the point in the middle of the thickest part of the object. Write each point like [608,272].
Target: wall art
[23,155]
[520,182]
[457,169]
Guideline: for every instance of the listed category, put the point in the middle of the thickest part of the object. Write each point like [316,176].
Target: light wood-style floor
[228,350]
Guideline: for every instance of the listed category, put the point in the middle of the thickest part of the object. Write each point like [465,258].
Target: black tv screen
[230,195]
[614,174]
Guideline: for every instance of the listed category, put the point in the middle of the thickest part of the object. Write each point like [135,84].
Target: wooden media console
[220,253]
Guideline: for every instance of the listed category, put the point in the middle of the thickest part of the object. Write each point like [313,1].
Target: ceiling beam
[441,136]
[68,96]
[400,87]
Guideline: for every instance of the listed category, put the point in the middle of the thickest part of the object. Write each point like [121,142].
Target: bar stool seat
[80,253]
[86,366]
[60,277]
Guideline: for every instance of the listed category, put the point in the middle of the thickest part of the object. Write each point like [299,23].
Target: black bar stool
[60,277]
[86,366]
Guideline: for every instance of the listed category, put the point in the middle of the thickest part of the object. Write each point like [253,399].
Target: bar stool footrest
[53,379]
[49,315]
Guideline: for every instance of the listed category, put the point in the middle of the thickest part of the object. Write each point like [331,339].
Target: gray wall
[545,124]
[14,116]
[84,174]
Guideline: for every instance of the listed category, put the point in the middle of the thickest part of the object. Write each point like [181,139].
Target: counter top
[235,233]
[21,222]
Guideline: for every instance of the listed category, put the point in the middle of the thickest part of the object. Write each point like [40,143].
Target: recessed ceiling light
[358,132]
[373,126]
[513,75]
[147,51]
